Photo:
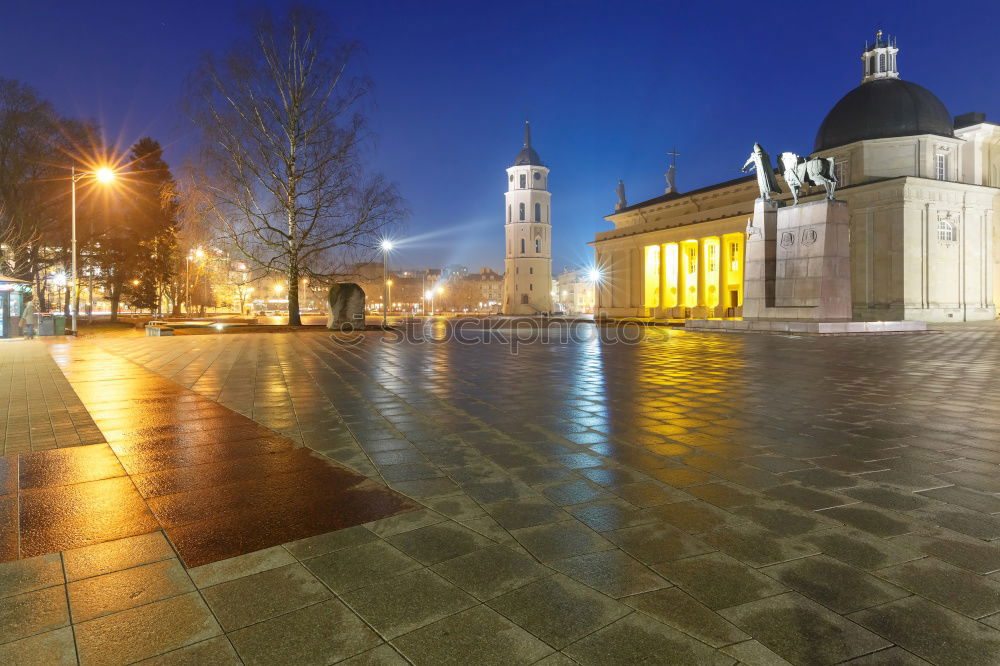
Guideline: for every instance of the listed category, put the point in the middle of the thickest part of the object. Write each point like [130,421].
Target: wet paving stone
[719,581]
[639,639]
[939,635]
[802,631]
[678,609]
[611,572]
[492,571]
[860,549]
[65,517]
[558,610]
[965,552]
[399,605]
[329,629]
[656,542]
[836,585]
[478,635]
[960,590]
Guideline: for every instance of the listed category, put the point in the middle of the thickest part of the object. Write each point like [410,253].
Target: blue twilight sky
[609,87]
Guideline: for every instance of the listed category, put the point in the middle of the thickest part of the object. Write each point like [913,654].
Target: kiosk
[12,299]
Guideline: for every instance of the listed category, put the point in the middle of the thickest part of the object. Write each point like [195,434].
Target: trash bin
[58,325]
[45,325]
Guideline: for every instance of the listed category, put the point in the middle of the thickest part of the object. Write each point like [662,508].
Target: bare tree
[283,134]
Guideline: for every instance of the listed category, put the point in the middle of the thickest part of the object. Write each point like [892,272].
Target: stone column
[702,275]
[758,271]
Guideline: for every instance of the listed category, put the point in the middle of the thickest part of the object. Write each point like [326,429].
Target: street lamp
[386,248]
[199,253]
[102,175]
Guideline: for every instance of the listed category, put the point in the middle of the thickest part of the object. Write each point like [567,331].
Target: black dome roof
[527,156]
[882,109]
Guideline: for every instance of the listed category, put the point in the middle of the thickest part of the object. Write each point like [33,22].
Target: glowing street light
[102,175]
[198,253]
[386,246]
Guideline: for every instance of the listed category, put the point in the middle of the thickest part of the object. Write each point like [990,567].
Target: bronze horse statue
[799,171]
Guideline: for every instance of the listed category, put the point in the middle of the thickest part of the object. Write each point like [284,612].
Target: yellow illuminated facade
[694,242]
[651,270]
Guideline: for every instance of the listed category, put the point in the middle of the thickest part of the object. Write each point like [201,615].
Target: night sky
[609,87]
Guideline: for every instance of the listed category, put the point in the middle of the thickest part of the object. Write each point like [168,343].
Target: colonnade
[700,277]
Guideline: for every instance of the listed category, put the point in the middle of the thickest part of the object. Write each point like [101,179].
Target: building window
[524,181]
[524,299]
[522,246]
[713,259]
[538,212]
[840,172]
[531,287]
[946,231]
[538,246]
[940,166]
[508,213]
[531,271]
[734,256]
[881,62]
[521,211]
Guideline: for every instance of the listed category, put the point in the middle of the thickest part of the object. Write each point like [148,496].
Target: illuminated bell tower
[528,263]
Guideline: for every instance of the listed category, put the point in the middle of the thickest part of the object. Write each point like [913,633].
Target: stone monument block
[345,307]
[798,264]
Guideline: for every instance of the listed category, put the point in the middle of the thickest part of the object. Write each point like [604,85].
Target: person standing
[29,319]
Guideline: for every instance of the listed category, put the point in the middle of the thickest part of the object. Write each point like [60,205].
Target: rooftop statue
[620,190]
[798,171]
[760,162]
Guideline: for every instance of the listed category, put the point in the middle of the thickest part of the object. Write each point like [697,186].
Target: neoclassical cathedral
[528,262]
[921,189]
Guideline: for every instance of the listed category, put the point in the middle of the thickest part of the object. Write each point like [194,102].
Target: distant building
[575,292]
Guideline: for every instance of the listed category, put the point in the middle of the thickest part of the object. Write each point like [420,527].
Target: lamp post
[187,277]
[103,175]
[386,246]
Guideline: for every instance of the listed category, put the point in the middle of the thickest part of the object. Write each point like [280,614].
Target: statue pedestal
[798,262]
[797,277]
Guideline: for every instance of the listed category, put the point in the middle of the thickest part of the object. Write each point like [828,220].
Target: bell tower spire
[878,61]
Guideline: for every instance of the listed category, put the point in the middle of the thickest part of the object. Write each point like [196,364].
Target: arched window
[521,211]
[946,231]
[522,246]
[524,181]
[531,270]
[881,62]
[538,246]
[538,212]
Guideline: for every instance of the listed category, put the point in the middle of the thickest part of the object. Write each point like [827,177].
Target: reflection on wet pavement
[697,498]
[219,484]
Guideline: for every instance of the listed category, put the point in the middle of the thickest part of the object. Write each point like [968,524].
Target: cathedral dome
[881,109]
